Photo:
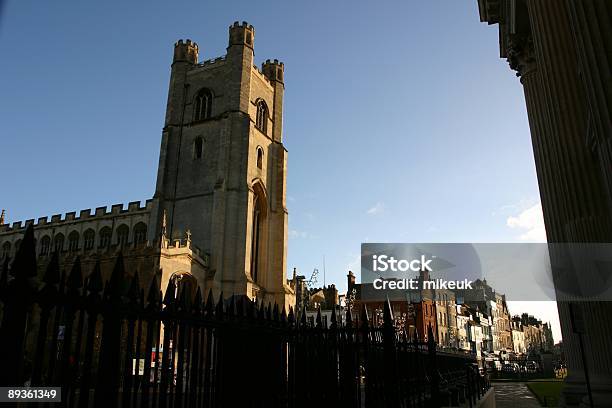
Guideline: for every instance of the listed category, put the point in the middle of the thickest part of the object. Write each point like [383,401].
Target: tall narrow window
[255,237]
[105,237]
[88,239]
[73,241]
[140,234]
[123,233]
[198,146]
[259,158]
[58,242]
[261,121]
[202,107]
[6,249]
[45,245]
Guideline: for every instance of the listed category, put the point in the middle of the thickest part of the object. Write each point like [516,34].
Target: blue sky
[402,123]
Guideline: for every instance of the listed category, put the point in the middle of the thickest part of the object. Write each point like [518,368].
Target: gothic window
[105,237]
[202,105]
[6,249]
[123,233]
[89,239]
[257,228]
[198,145]
[184,282]
[58,242]
[45,245]
[73,241]
[261,121]
[140,234]
[259,158]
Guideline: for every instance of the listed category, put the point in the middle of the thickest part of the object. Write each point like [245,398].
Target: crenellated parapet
[98,231]
[212,62]
[133,207]
[186,51]
[242,34]
[179,244]
[273,70]
[261,74]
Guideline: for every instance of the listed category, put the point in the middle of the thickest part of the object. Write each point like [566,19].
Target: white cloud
[512,208]
[531,222]
[377,209]
[297,234]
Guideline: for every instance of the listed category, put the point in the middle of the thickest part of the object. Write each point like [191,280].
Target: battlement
[187,43]
[186,51]
[262,75]
[212,61]
[273,70]
[243,25]
[273,62]
[56,219]
[241,34]
[184,244]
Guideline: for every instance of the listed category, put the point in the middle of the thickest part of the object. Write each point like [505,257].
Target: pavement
[514,395]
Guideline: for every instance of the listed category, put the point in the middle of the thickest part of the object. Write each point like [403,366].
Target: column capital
[521,55]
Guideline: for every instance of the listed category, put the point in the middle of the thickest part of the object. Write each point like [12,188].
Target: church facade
[218,217]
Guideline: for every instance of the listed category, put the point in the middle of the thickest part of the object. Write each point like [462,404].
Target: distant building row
[476,320]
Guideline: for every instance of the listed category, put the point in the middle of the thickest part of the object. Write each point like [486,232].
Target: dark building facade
[562,52]
[417,315]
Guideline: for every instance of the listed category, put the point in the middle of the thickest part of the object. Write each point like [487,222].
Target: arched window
[257,218]
[184,282]
[140,234]
[73,241]
[58,242]
[259,158]
[45,245]
[105,237]
[198,145]
[123,233]
[261,121]
[6,249]
[202,107]
[89,238]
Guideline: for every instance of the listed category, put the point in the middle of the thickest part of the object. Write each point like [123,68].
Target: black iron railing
[109,344]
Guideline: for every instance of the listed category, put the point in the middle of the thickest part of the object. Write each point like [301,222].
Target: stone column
[562,50]
[584,196]
[587,218]
[521,57]
[591,23]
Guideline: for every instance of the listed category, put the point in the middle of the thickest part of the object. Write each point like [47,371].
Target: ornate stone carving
[521,55]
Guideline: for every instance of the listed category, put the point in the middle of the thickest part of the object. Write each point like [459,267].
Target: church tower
[222,167]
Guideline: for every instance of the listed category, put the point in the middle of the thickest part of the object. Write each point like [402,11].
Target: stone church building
[218,216]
